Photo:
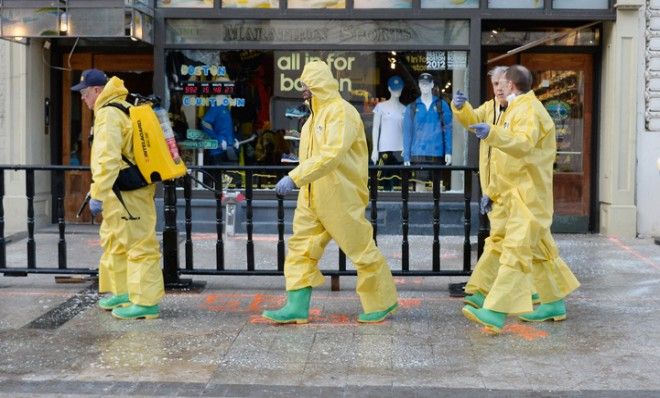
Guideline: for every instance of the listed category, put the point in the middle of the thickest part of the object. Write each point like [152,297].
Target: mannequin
[387,130]
[427,131]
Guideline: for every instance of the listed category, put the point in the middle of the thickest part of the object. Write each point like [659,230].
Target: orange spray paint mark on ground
[527,332]
[410,302]
[634,252]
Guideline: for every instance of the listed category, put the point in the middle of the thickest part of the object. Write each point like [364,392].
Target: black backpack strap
[124,109]
[441,115]
[119,106]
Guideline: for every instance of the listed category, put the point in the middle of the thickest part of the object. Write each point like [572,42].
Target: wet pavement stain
[61,314]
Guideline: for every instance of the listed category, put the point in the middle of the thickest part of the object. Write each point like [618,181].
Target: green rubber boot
[544,312]
[536,299]
[137,312]
[114,301]
[377,316]
[476,300]
[296,309]
[492,320]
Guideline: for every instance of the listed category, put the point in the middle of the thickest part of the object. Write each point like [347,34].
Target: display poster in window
[250,3]
[450,3]
[185,3]
[317,3]
[515,3]
[388,4]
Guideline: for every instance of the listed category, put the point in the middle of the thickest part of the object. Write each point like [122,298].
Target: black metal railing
[172,190]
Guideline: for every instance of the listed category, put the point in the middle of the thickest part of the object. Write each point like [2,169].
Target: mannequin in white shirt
[387,131]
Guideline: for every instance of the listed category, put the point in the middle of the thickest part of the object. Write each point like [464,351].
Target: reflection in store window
[317,4]
[515,3]
[185,3]
[501,36]
[450,3]
[382,4]
[252,100]
[562,94]
[251,3]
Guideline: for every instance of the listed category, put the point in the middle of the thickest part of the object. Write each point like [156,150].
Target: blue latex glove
[284,186]
[459,99]
[480,129]
[485,205]
[95,206]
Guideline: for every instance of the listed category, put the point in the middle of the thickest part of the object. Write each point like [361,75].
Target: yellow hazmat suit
[131,255]
[332,177]
[482,280]
[523,150]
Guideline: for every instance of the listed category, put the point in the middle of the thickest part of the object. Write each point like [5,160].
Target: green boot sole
[475,300]
[555,311]
[278,318]
[114,301]
[296,309]
[137,312]
[378,316]
[481,315]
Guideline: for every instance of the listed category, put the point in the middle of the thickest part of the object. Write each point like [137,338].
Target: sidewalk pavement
[54,341]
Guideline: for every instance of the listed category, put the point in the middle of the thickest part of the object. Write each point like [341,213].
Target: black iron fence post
[436,219]
[61,243]
[170,236]
[31,244]
[3,249]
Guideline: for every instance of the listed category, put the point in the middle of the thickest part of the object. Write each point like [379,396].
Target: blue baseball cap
[395,83]
[91,78]
[425,77]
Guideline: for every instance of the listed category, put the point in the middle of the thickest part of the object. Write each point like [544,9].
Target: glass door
[564,84]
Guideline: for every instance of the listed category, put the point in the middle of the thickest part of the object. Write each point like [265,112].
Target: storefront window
[515,4]
[251,3]
[389,4]
[246,107]
[582,4]
[317,4]
[185,3]
[450,3]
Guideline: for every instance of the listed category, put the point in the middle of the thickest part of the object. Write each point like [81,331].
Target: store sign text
[189,100]
[295,62]
[203,70]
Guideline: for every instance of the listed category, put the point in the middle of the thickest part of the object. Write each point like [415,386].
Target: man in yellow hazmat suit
[490,112]
[332,177]
[523,150]
[129,268]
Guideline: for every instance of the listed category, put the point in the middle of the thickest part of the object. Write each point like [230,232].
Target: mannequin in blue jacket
[218,125]
[427,138]
[427,133]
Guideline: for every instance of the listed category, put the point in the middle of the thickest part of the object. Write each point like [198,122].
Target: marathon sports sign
[326,32]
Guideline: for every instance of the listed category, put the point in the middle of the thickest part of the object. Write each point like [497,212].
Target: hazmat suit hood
[114,90]
[318,78]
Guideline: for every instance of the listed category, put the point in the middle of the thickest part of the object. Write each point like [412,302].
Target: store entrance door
[136,70]
[564,84]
